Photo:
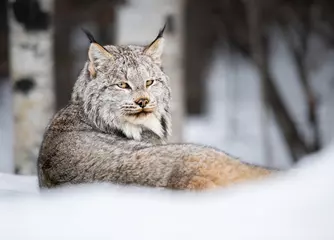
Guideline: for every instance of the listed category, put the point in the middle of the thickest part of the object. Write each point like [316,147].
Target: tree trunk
[31,72]
[299,50]
[312,103]
[6,118]
[6,132]
[259,53]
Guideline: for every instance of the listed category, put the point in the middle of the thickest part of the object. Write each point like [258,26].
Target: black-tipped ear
[155,49]
[96,53]
[161,32]
[89,36]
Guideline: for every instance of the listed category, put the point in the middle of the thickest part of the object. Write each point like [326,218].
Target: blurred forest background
[254,78]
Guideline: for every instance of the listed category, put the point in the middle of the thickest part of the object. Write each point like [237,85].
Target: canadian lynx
[116,125]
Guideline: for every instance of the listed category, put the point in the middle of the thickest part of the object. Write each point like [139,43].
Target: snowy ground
[17,185]
[296,205]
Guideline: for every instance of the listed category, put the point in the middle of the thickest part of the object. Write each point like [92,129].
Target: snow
[17,184]
[298,204]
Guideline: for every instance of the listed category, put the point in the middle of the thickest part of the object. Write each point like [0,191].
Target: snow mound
[295,205]
[17,185]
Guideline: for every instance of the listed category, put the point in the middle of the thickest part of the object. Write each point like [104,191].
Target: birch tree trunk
[31,72]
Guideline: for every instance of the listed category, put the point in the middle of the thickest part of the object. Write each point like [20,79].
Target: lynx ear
[155,49]
[96,54]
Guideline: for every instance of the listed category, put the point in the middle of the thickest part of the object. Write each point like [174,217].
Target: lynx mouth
[142,112]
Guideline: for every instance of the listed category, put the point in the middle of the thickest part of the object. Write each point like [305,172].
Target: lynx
[116,127]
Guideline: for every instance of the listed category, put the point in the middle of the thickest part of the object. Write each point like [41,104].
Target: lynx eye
[149,83]
[123,85]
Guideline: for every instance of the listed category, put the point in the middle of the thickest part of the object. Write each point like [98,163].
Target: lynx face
[124,88]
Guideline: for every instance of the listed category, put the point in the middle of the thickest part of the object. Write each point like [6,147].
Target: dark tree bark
[259,54]
[297,29]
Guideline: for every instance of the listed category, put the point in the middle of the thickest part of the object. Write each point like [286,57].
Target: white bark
[139,22]
[31,57]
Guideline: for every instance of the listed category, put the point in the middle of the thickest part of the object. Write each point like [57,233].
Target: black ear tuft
[160,35]
[161,32]
[89,35]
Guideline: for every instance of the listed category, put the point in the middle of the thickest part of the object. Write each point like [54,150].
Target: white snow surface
[298,204]
[15,184]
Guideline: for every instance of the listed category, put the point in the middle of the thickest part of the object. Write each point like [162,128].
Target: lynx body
[116,126]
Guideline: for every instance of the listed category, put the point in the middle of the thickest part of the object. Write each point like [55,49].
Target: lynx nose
[142,102]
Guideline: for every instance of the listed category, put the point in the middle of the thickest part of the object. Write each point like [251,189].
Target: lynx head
[124,88]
